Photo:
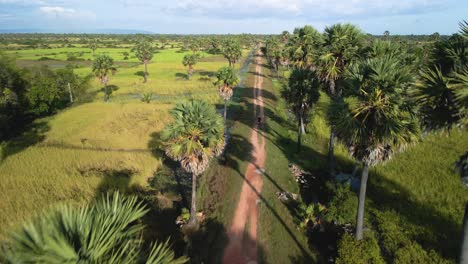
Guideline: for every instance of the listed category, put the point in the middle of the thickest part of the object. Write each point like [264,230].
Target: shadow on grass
[33,134]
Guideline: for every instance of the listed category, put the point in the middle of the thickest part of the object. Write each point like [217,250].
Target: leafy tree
[194,138]
[13,99]
[285,35]
[108,231]
[103,66]
[45,95]
[274,53]
[189,61]
[93,45]
[342,44]
[72,83]
[226,80]
[301,93]
[144,51]
[376,120]
[303,46]
[232,51]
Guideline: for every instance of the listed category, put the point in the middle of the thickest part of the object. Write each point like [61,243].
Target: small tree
[144,51]
[189,61]
[232,51]
[194,138]
[93,45]
[301,93]
[103,66]
[226,80]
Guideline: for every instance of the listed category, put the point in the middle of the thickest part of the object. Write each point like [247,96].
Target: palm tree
[107,231]
[301,93]
[232,51]
[226,80]
[194,138]
[440,99]
[103,66]
[274,53]
[144,51]
[303,46]
[93,45]
[189,61]
[376,120]
[342,43]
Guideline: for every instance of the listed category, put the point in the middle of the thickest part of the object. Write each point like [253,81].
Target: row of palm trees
[379,102]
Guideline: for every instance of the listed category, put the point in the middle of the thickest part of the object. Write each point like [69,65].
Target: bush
[413,253]
[343,206]
[351,251]
[44,59]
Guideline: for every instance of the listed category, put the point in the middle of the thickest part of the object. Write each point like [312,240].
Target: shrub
[351,251]
[413,253]
[147,97]
[44,59]
[343,206]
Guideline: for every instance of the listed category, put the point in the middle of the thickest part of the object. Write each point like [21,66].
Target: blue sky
[228,16]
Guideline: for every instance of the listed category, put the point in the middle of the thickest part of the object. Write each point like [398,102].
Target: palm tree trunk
[146,72]
[299,135]
[302,125]
[230,63]
[106,93]
[70,92]
[225,112]
[331,152]
[193,209]
[362,200]
[464,248]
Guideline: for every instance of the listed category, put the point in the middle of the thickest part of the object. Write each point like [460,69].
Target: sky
[229,16]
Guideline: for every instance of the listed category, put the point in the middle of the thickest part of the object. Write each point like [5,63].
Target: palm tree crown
[105,232]
[195,135]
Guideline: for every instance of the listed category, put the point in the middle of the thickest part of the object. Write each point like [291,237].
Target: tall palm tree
[194,138]
[342,44]
[303,46]
[144,51]
[103,66]
[301,93]
[376,120]
[108,231]
[226,79]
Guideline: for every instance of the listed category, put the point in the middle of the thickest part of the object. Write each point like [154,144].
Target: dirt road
[242,247]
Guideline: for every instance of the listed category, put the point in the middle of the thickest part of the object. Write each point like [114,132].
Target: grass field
[91,147]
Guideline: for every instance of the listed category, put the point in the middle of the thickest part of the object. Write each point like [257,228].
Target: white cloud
[62,12]
[23,2]
[305,8]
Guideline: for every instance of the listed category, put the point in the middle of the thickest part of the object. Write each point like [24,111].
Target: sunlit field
[96,146]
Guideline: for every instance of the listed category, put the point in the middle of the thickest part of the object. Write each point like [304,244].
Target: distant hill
[90,31]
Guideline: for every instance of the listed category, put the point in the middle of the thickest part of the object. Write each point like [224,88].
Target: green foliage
[195,135]
[226,79]
[232,51]
[304,45]
[45,95]
[103,65]
[413,253]
[302,91]
[436,96]
[342,207]
[189,61]
[13,101]
[147,97]
[144,51]
[310,215]
[366,250]
[105,232]
[377,119]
